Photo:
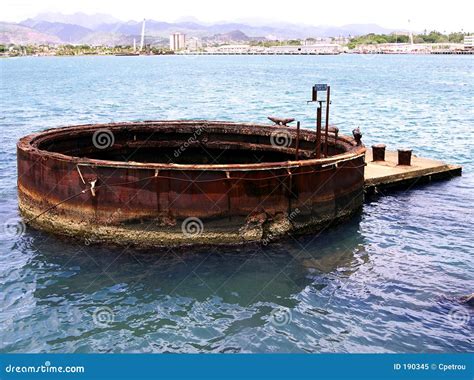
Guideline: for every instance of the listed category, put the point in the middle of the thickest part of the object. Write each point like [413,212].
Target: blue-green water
[384,282]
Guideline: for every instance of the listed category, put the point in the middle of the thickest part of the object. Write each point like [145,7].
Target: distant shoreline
[468,52]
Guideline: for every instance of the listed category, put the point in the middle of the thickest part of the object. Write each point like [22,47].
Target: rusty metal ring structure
[178,183]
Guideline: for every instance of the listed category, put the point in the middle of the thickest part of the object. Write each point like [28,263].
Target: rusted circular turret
[175,183]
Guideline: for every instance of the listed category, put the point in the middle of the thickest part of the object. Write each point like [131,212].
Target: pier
[389,175]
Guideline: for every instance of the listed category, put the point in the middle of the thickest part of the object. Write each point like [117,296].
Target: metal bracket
[92,183]
[80,174]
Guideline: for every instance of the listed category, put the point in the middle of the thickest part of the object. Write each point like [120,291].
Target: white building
[177,41]
[321,48]
[193,44]
[469,42]
[233,49]
[277,50]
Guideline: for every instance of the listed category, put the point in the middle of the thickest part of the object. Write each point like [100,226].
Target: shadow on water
[219,299]
[243,275]
[211,300]
[187,301]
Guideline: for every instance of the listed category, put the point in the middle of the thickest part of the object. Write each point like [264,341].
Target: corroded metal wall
[146,204]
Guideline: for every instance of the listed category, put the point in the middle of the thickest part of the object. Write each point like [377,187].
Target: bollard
[378,152]
[404,157]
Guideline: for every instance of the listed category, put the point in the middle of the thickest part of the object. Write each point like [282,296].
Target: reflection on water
[172,301]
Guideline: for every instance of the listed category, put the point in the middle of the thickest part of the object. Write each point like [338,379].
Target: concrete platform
[384,175]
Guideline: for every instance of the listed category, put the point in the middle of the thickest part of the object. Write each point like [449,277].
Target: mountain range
[102,29]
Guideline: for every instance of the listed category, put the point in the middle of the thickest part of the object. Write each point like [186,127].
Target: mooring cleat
[357,136]
[281,121]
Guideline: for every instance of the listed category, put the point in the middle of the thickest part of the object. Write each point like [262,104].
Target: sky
[441,15]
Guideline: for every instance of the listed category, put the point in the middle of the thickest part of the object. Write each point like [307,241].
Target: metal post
[318,131]
[229,188]
[326,135]
[297,140]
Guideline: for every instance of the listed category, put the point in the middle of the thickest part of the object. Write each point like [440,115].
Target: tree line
[431,37]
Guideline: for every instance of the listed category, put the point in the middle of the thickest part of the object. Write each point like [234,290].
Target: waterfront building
[277,50]
[233,49]
[469,42]
[193,44]
[177,41]
[320,48]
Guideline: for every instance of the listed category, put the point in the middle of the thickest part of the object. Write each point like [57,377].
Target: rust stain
[130,190]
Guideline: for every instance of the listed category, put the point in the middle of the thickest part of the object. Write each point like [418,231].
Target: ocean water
[386,281]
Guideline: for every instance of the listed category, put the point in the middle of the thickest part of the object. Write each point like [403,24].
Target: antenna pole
[142,41]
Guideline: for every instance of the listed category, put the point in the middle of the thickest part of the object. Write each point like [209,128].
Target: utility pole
[142,41]
[411,33]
